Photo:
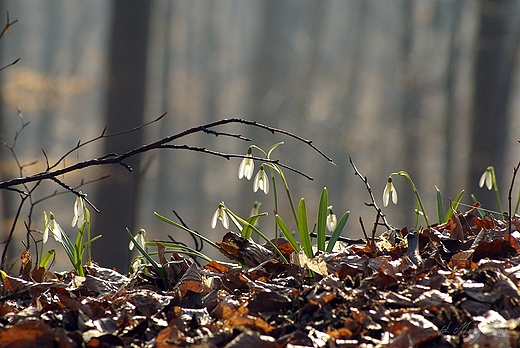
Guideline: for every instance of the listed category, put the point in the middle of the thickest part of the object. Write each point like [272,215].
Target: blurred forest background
[426,86]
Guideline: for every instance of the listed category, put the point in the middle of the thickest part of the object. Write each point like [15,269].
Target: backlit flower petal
[261,181]
[246,168]
[331,221]
[486,178]
[221,215]
[389,191]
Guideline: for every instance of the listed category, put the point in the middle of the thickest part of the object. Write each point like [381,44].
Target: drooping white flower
[220,214]
[45,235]
[389,190]
[487,178]
[79,212]
[51,225]
[247,167]
[332,221]
[140,238]
[261,181]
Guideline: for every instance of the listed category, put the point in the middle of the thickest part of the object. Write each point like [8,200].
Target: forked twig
[373,204]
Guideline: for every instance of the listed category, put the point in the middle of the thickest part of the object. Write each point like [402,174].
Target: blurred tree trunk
[117,196]
[495,60]
[452,182]
[4,202]
[410,105]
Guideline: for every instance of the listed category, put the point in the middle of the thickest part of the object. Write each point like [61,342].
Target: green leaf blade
[322,219]
[303,229]
[288,235]
[337,232]
[440,208]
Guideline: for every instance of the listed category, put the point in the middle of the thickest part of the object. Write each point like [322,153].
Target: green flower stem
[497,196]
[284,180]
[89,239]
[287,190]
[418,198]
[275,195]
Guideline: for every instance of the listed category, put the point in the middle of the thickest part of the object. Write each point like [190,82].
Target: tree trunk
[117,196]
[497,43]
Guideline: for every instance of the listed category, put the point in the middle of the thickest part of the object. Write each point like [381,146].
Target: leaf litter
[450,285]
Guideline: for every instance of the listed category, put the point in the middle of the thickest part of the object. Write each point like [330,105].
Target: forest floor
[451,285]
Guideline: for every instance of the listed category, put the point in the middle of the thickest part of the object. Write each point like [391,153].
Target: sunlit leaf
[337,232]
[303,229]
[322,219]
[287,234]
[440,208]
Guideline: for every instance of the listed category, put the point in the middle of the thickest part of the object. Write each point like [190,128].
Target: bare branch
[114,158]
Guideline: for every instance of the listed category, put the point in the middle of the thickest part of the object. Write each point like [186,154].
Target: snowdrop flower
[261,181]
[220,214]
[79,212]
[52,226]
[389,190]
[331,220]
[487,178]
[247,166]
[140,238]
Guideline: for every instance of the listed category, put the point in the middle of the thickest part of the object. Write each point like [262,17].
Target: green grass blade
[440,208]
[454,206]
[339,228]
[303,229]
[322,219]
[288,235]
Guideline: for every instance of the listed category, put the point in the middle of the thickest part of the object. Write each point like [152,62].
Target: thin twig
[7,25]
[119,159]
[376,223]
[341,239]
[102,136]
[77,193]
[10,64]
[363,229]
[195,239]
[369,189]
[509,197]
[232,155]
